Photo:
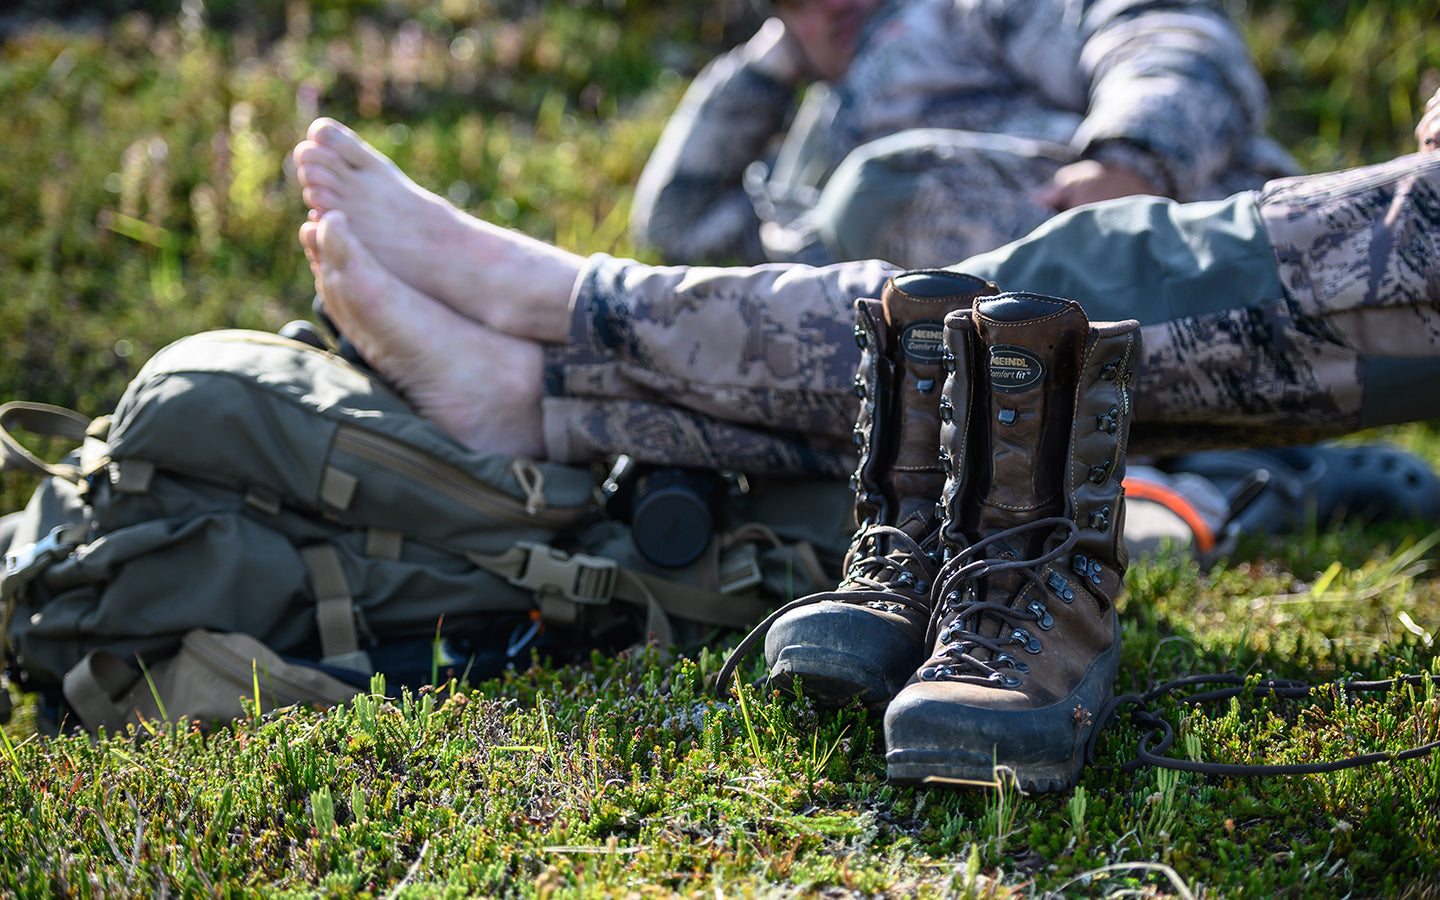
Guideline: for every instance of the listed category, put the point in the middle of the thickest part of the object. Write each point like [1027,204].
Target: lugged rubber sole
[961,768]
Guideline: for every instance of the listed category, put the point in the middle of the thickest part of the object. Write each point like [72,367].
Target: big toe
[324,127]
[342,140]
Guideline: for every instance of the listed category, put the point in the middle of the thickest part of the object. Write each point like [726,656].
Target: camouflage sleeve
[1172,88]
[690,203]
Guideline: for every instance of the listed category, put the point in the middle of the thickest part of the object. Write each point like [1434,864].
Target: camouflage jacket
[1167,87]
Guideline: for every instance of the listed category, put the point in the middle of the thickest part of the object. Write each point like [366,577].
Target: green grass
[146,196]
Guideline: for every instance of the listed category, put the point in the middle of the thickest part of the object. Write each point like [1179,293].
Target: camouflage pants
[1301,311]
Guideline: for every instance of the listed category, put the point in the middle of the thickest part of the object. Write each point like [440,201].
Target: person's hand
[773,52]
[1427,133]
[1089,181]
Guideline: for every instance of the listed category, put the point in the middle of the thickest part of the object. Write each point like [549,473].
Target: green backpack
[281,516]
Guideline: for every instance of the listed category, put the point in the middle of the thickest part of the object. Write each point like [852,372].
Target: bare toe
[481,386]
[491,275]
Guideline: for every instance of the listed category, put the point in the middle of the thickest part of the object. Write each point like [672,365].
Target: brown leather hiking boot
[1025,639]
[865,638]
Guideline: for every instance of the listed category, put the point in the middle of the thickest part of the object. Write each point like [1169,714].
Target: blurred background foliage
[144,168]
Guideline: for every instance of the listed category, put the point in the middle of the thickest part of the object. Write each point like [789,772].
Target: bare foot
[481,386]
[501,278]
[1427,133]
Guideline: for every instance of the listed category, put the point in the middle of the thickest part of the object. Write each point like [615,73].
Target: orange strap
[1177,503]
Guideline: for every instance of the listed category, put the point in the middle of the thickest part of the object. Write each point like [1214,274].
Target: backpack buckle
[580,578]
[24,565]
[740,569]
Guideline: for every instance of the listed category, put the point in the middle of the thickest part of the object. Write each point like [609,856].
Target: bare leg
[500,278]
[481,386]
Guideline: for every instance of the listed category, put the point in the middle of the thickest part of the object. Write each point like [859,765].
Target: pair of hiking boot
[978,604]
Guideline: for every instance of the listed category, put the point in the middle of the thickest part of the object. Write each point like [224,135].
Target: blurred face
[826,30]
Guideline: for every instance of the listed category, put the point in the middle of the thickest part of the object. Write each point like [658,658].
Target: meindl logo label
[1014,368]
[924,341]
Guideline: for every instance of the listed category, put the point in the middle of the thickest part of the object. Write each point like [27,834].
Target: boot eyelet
[1100,519]
[921,586]
[1025,639]
[862,340]
[858,436]
[1087,568]
[1009,681]
[929,673]
[1108,422]
[1060,588]
[860,386]
[947,360]
[1008,660]
[1042,615]
[1099,473]
[947,411]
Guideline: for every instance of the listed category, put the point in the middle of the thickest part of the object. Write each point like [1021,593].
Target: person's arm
[1172,94]
[690,203]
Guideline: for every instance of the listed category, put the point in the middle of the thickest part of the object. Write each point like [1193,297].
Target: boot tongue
[915,305]
[1030,351]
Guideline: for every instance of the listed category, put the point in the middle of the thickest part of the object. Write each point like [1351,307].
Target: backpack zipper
[451,481]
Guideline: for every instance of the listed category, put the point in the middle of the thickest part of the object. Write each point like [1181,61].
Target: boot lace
[881,572]
[886,561]
[959,612]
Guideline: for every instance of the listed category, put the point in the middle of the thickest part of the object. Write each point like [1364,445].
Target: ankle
[530,290]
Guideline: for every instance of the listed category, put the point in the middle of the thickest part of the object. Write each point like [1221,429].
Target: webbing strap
[734,563]
[334,609]
[39,418]
[337,488]
[711,608]
[657,624]
[592,580]
[264,499]
[384,543]
[132,476]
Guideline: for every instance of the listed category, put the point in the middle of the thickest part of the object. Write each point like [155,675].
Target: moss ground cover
[144,178]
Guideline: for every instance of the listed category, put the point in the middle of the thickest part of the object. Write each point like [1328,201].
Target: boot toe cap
[962,731]
[839,651]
